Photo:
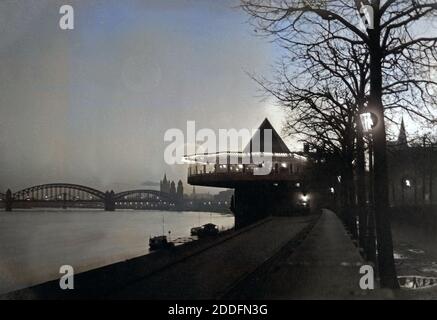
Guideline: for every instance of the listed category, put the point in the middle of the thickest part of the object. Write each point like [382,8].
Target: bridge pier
[109,201]
[8,200]
[64,200]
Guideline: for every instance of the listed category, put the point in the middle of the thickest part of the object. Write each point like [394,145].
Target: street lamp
[408,183]
[368,122]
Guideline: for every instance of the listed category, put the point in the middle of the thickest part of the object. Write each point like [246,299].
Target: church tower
[402,138]
[172,188]
[180,190]
[165,185]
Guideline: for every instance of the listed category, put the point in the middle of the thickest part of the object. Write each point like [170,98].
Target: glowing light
[211,157]
[366,122]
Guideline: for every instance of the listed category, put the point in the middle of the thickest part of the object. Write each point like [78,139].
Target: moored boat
[208,229]
[159,242]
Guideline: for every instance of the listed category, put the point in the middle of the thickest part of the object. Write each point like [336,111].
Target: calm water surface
[35,243]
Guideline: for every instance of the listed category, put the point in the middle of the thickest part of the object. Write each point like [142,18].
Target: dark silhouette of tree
[323,105]
[399,63]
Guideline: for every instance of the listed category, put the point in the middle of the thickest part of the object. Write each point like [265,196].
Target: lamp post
[431,170]
[368,122]
[408,183]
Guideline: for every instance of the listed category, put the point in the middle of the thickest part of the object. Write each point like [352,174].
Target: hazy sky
[91,105]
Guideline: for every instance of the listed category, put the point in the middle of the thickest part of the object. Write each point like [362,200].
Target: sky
[91,105]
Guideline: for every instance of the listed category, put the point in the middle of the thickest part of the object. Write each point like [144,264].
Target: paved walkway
[325,266]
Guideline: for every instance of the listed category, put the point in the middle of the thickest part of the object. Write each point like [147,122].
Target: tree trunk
[386,264]
[431,175]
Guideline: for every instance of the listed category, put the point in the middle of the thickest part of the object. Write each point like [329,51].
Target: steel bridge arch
[22,193]
[165,196]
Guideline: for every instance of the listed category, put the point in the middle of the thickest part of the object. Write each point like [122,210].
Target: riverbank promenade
[325,266]
[308,257]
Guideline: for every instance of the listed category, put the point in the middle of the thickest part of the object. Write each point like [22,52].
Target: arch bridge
[144,199]
[58,191]
[80,196]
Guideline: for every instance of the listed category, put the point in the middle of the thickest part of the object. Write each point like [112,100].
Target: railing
[274,168]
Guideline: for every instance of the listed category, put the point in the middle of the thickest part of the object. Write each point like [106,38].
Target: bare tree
[323,102]
[399,62]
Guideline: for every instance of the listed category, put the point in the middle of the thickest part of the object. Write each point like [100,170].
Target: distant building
[203,196]
[180,191]
[412,171]
[164,185]
[224,196]
[172,188]
[169,186]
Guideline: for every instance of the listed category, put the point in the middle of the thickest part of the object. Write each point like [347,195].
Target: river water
[35,243]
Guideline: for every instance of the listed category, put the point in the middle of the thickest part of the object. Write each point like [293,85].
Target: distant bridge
[79,196]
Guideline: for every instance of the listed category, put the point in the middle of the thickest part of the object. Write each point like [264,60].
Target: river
[35,243]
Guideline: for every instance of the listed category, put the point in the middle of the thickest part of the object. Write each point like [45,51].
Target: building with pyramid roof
[266,176]
[278,145]
[262,159]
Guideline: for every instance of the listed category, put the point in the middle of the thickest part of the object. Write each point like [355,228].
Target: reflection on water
[417,282]
[430,269]
[34,244]
[415,268]
[399,256]
[416,251]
